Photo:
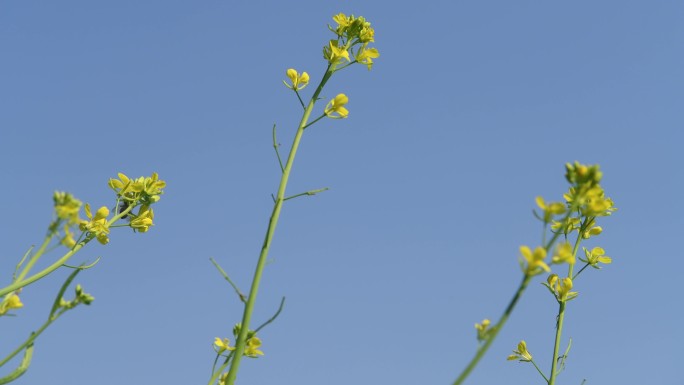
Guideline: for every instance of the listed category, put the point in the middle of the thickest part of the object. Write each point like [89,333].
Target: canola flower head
[297,81]
[13,302]
[352,27]
[336,107]
[351,31]
[532,262]
[144,190]
[97,224]
[581,174]
[560,288]
[521,353]
[66,206]
[483,329]
[223,378]
[591,201]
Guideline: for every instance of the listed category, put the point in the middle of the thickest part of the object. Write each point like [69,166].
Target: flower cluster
[81,298]
[351,31]
[97,225]
[251,347]
[142,193]
[144,190]
[483,329]
[66,207]
[560,288]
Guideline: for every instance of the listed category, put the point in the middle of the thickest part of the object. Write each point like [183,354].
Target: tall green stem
[272,224]
[561,317]
[494,331]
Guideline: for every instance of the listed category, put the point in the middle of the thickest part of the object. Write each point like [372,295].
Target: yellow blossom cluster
[251,346]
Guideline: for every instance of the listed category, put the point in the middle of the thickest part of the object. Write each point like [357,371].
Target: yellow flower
[122,185]
[367,34]
[564,254]
[596,256]
[13,302]
[222,378]
[98,224]
[343,22]
[335,54]
[66,206]
[535,260]
[298,81]
[252,348]
[551,209]
[521,353]
[596,230]
[143,189]
[143,220]
[222,345]
[566,227]
[68,239]
[335,108]
[560,288]
[366,55]
[482,329]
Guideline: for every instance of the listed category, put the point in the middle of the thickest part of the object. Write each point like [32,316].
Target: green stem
[34,258]
[539,370]
[272,224]
[19,283]
[494,331]
[561,316]
[556,345]
[32,338]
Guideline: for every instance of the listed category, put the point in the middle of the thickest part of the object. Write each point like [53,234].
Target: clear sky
[471,111]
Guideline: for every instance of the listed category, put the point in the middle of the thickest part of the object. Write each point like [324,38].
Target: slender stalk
[34,258]
[561,317]
[494,331]
[19,283]
[32,338]
[539,370]
[272,224]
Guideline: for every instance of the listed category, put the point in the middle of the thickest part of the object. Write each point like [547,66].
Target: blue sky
[471,111]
